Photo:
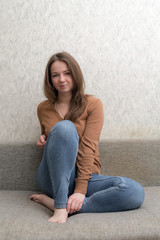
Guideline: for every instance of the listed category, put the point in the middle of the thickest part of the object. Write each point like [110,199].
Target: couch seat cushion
[24,219]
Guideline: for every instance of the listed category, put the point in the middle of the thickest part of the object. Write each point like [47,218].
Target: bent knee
[64,128]
[140,195]
[65,123]
[134,192]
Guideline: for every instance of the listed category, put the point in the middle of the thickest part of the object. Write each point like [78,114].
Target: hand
[41,141]
[75,202]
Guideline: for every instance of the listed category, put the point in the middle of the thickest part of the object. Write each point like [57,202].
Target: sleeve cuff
[81,187]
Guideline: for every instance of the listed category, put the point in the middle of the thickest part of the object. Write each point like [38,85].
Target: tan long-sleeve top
[89,126]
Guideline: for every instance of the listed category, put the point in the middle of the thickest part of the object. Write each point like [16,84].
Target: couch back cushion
[139,160]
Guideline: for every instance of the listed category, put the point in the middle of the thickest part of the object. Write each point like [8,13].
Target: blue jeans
[57,172]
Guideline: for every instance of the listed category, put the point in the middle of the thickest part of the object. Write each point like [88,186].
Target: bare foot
[44,200]
[60,215]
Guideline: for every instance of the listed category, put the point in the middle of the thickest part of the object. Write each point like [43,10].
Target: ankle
[61,211]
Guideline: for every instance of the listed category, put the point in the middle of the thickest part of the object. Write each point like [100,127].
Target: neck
[64,98]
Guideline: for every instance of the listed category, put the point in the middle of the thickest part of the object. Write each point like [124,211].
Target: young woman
[69,173]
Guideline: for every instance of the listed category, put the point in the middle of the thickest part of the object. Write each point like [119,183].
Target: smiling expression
[61,77]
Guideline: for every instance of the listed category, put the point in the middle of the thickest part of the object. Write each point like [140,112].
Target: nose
[62,79]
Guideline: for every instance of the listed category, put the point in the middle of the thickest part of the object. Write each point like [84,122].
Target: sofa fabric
[139,160]
[24,219]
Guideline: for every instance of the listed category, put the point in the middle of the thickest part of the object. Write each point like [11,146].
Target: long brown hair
[78,101]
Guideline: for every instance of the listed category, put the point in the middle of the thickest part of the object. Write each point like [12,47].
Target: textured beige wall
[117,44]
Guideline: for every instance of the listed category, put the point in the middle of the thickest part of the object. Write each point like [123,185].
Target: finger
[44,137]
[76,207]
[69,205]
[79,207]
[72,208]
[41,139]
[41,145]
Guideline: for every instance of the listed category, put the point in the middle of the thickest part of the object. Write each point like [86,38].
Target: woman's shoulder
[43,105]
[94,104]
[92,100]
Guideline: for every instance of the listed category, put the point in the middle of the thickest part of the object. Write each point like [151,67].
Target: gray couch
[24,219]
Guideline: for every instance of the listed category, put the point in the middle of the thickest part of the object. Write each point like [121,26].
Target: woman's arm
[85,159]
[89,145]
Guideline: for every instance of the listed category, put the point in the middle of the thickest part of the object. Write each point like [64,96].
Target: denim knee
[135,191]
[140,195]
[63,129]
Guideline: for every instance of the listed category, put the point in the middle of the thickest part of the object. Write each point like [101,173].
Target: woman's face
[61,77]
